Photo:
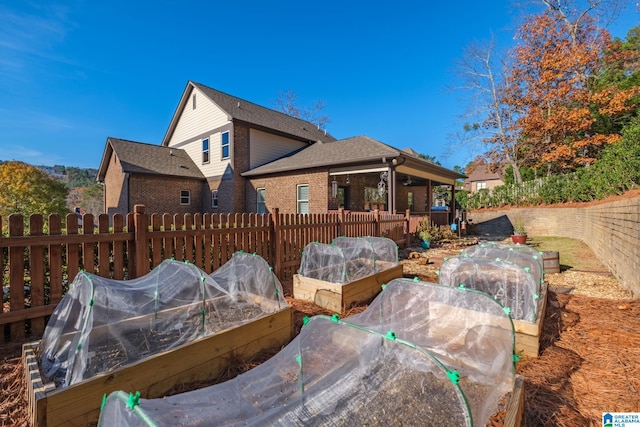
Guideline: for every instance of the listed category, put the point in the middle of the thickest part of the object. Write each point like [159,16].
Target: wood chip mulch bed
[589,360]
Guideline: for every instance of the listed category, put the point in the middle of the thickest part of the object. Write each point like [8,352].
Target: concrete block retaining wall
[610,229]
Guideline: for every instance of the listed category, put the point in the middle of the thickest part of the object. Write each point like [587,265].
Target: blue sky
[74,72]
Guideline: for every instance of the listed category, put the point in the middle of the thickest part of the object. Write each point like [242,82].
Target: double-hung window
[185,197]
[205,151]
[214,198]
[225,145]
[303,198]
[261,194]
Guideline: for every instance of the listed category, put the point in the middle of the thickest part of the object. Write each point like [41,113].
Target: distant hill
[70,175]
[84,191]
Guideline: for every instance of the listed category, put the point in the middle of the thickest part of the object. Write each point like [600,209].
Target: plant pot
[425,244]
[519,238]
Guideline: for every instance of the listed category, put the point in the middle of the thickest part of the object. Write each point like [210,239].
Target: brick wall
[116,194]
[240,162]
[281,191]
[610,229]
[162,194]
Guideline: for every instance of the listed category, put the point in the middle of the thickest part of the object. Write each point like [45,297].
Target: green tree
[27,190]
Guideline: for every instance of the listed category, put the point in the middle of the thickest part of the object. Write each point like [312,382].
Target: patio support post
[407,234]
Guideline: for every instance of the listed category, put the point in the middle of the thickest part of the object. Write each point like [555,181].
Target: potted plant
[519,230]
[425,239]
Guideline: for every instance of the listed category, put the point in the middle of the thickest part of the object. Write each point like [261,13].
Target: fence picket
[16,276]
[36,263]
[118,249]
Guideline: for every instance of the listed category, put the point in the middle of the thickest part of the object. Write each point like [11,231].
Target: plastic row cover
[332,374]
[103,324]
[348,259]
[510,284]
[522,255]
[467,330]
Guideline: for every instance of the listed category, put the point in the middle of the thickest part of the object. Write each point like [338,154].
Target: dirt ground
[589,359]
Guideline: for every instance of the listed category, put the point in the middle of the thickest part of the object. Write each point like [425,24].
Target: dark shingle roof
[344,151]
[138,157]
[248,112]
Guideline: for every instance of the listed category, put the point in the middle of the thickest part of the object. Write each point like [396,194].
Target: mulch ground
[589,361]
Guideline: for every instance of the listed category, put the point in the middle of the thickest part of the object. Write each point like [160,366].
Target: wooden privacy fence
[38,265]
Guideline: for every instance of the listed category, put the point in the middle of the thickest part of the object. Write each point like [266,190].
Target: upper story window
[193,100]
[185,197]
[303,198]
[214,198]
[224,142]
[261,194]
[205,151]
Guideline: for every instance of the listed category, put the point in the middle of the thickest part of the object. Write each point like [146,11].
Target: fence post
[376,223]
[339,231]
[407,224]
[140,240]
[276,243]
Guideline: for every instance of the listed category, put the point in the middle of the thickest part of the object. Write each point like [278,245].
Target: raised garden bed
[339,297]
[202,360]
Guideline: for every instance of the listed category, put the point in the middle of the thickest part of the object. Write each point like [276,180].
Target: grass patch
[574,254]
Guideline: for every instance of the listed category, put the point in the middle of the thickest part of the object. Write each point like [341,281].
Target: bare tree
[287,103]
[490,120]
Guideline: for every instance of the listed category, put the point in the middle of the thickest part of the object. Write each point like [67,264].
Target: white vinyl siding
[198,121]
[303,198]
[266,147]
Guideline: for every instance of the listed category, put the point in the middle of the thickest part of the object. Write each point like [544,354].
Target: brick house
[248,158]
[481,178]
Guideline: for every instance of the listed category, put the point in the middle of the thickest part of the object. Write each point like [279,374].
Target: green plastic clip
[527,269]
[462,286]
[390,336]
[335,317]
[507,310]
[416,279]
[305,320]
[384,286]
[91,302]
[299,359]
[536,296]
[498,259]
[133,400]
[454,376]
[104,401]
[516,358]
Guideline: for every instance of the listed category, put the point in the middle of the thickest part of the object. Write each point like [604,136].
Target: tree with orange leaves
[552,88]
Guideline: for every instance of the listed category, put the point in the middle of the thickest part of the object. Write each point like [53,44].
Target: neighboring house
[482,178]
[253,159]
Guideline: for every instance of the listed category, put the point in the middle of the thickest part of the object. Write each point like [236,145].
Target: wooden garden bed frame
[528,333]
[202,360]
[338,297]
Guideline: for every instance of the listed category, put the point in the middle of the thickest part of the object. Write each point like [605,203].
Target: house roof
[142,158]
[482,174]
[358,149]
[254,114]
[344,151]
